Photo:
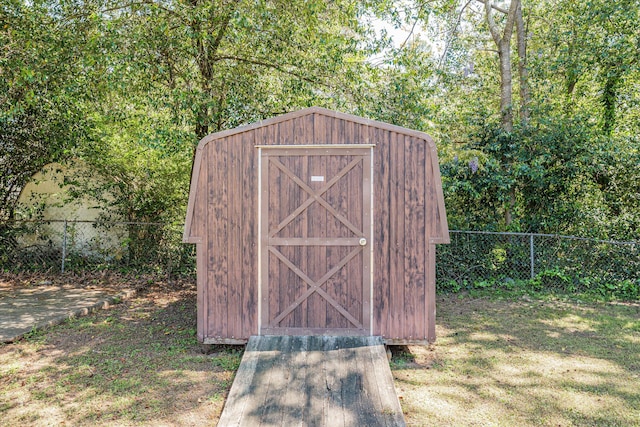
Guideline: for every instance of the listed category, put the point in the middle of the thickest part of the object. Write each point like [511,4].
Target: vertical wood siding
[406,223]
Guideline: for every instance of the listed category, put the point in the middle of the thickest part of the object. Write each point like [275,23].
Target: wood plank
[289,195]
[371,391]
[314,399]
[318,241]
[295,331]
[414,203]
[395,286]
[217,240]
[198,222]
[442,225]
[399,282]
[430,293]
[300,134]
[235,249]
[276,379]
[302,228]
[366,280]
[239,397]
[260,383]
[382,249]
[322,129]
[420,274]
[390,405]
[313,381]
[316,264]
[249,237]
[335,372]
[317,149]
[266,271]
[202,270]
[339,285]
[352,187]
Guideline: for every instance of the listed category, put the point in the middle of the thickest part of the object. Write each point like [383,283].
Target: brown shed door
[315,240]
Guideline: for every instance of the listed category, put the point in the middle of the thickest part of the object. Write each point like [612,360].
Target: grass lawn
[524,362]
[509,362]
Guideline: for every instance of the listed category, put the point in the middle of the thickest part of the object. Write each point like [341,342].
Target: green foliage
[549,282]
[499,263]
[565,178]
[43,113]
[128,89]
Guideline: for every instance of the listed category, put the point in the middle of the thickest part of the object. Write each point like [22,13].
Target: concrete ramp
[313,381]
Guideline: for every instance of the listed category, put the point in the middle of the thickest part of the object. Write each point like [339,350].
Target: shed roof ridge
[315,110]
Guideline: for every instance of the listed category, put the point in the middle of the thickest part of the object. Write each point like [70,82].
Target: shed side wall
[404,207]
[231,262]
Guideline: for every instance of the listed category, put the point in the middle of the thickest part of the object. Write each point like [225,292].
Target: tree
[222,63]
[43,85]
[173,72]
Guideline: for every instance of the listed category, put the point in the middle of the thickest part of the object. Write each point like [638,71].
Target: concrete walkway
[23,310]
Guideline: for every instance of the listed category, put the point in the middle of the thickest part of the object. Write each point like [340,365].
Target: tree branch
[493,27]
[508,26]
[413,27]
[498,8]
[269,65]
[142,3]
[450,38]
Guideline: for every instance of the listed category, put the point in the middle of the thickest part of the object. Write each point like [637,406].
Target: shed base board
[400,341]
[228,341]
[387,341]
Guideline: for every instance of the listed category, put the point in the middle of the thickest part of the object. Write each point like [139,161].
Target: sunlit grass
[138,363]
[531,363]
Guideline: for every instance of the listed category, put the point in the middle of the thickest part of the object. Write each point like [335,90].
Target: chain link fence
[472,259]
[572,263]
[59,246]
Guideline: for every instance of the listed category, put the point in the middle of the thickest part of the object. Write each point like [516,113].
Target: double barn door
[315,240]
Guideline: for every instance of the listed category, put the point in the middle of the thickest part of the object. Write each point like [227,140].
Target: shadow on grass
[528,363]
[139,362]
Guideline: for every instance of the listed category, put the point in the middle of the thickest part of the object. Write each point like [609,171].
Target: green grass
[502,358]
[137,363]
[525,362]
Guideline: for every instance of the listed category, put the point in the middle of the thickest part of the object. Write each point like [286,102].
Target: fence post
[64,244]
[532,256]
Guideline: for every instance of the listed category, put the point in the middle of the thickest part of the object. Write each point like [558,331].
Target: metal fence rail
[62,245]
[472,256]
[475,256]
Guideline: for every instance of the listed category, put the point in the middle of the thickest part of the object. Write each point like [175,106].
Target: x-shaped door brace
[315,197]
[315,286]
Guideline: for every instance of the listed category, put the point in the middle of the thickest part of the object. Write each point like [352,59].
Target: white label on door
[316,178]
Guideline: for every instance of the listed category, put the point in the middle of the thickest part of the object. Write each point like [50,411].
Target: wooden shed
[316,223]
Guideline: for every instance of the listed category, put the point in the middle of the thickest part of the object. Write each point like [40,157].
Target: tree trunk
[506,85]
[206,58]
[523,72]
[503,43]
[502,40]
